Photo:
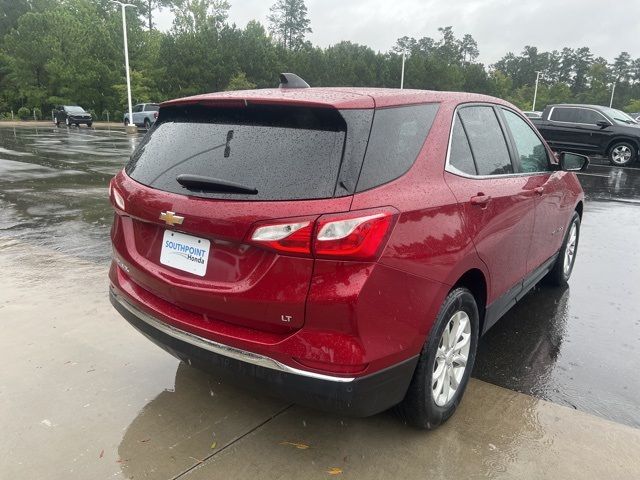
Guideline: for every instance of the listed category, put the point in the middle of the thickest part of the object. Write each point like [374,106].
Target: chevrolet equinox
[341,247]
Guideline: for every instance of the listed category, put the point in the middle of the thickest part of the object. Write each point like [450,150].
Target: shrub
[117,117]
[24,113]
[37,113]
[106,115]
[92,112]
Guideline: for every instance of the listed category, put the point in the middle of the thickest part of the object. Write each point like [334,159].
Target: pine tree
[289,23]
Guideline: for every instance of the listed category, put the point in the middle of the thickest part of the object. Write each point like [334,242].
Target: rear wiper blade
[208,184]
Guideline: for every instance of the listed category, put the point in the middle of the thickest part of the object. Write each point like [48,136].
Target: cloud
[499,26]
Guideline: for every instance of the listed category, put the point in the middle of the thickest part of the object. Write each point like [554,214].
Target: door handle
[480,199]
[539,190]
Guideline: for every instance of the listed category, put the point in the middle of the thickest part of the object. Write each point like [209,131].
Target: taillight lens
[155,114]
[115,197]
[359,237]
[285,237]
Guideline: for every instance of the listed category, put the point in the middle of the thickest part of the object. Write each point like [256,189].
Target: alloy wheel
[451,358]
[570,250]
[621,154]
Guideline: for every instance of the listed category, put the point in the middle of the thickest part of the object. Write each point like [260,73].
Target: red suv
[341,247]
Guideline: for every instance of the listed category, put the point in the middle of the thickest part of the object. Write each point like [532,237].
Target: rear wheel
[622,154]
[126,122]
[147,123]
[89,124]
[445,363]
[562,268]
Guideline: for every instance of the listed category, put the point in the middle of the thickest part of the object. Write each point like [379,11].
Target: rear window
[286,153]
[397,135]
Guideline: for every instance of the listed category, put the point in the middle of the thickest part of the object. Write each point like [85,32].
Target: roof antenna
[291,80]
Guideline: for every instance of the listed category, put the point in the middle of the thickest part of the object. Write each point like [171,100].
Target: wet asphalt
[577,347]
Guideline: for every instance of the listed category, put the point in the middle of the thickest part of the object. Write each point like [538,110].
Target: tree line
[71,52]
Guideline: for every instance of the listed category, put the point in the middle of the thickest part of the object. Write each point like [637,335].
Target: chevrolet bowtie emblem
[170,218]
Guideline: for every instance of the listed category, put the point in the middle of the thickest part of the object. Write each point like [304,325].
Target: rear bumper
[85,121]
[355,396]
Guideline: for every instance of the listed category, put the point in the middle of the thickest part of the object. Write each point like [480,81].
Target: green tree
[289,23]
[193,16]
[239,82]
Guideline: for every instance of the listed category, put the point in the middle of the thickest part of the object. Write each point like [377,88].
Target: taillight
[359,235]
[115,197]
[155,114]
[285,237]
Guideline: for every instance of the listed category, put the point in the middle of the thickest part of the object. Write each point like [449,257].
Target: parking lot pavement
[82,395]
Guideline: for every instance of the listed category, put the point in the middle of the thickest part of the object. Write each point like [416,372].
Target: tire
[147,123]
[419,407]
[77,125]
[126,122]
[89,124]
[622,154]
[57,122]
[561,271]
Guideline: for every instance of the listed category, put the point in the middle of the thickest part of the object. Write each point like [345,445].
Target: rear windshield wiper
[208,184]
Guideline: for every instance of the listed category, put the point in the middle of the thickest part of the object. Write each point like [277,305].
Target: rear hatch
[205,177]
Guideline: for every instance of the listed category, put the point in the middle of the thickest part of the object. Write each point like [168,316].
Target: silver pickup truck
[144,115]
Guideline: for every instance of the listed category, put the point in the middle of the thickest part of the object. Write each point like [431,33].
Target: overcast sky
[606,26]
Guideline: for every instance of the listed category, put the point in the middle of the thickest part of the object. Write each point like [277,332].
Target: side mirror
[572,162]
[603,124]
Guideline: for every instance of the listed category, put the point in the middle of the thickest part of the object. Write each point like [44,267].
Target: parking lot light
[535,92]
[131,128]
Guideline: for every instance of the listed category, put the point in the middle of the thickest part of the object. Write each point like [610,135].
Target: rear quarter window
[397,136]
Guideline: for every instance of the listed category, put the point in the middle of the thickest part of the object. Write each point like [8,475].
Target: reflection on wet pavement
[580,346]
[83,395]
[53,187]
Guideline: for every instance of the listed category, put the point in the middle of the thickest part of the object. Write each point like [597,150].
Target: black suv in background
[591,130]
[72,115]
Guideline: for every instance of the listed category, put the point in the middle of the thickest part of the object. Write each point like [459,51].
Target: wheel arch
[632,141]
[475,280]
[580,208]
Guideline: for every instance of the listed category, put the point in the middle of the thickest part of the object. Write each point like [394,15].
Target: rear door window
[486,139]
[286,153]
[397,136]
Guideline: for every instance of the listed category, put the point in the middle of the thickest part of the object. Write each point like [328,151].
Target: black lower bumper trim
[362,397]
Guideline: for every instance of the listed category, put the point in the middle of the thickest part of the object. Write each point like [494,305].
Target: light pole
[131,128]
[404,55]
[613,91]
[535,93]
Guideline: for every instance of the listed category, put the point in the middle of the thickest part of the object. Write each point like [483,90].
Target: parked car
[293,240]
[530,114]
[71,115]
[591,130]
[144,115]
